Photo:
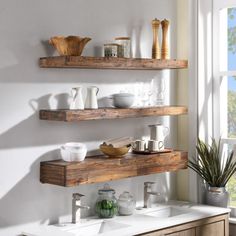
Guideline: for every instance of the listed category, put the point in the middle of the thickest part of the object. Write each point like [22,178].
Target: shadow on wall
[29,198]
[34,132]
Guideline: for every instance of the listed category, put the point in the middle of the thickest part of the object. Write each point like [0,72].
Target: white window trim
[203,74]
[193,95]
[220,83]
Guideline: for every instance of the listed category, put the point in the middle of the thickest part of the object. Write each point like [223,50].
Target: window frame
[220,83]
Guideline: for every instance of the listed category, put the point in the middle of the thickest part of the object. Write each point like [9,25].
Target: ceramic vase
[217,196]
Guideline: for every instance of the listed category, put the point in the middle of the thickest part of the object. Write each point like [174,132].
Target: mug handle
[134,145]
[97,90]
[160,145]
[167,130]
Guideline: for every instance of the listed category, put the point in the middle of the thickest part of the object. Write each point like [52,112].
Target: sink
[167,212]
[97,228]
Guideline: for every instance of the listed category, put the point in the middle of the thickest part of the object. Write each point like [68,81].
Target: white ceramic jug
[91,99]
[77,99]
[158,132]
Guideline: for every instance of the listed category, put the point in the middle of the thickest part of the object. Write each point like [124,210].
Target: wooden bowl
[114,152]
[69,46]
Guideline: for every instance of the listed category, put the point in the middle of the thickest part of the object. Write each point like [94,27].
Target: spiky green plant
[216,171]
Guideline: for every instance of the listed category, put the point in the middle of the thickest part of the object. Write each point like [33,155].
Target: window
[231,90]
[224,75]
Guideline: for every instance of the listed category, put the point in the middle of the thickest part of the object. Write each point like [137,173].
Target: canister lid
[106,189]
[111,44]
[122,38]
[126,196]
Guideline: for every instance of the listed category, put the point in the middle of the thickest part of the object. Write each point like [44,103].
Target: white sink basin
[97,228]
[167,212]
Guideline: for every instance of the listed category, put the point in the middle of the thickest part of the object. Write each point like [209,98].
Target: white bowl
[123,100]
[73,152]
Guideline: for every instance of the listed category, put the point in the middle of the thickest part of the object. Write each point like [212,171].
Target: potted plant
[214,170]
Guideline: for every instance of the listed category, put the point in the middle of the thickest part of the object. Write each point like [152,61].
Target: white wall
[25,27]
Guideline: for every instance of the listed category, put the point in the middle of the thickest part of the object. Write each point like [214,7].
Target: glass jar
[125,43]
[106,205]
[112,50]
[126,204]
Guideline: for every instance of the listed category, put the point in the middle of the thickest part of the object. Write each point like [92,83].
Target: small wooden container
[69,46]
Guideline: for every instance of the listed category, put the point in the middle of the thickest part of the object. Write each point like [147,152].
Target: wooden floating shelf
[111,63]
[98,169]
[110,113]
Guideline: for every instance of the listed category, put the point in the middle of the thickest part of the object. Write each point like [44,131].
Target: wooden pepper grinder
[156,54]
[165,47]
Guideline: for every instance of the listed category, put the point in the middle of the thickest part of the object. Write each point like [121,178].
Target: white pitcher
[77,99]
[91,99]
[158,132]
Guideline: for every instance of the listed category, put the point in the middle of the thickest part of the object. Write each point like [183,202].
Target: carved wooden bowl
[69,46]
[114,152]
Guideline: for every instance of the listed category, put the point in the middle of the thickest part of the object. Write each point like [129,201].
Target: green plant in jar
[106,205]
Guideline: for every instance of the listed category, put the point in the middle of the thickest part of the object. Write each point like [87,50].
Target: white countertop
[139,222]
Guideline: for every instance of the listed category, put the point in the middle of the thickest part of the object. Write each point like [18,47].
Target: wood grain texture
[110,113]
[111,63]
[213,229]
[210,226]
[97,169]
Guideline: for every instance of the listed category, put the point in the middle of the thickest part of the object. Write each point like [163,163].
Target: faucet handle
[148,184]
[77,196]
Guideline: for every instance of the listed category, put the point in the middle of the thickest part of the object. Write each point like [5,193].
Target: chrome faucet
[76,206]
[147,193]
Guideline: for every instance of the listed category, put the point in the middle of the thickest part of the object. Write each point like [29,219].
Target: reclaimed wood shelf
[110,113]
[96,169]
[111,63]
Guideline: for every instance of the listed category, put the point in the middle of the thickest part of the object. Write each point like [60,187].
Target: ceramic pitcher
[91,99]
[77,99]
[158,132]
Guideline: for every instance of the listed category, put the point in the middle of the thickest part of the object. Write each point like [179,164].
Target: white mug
[158,132]
[155,146]
[139,145]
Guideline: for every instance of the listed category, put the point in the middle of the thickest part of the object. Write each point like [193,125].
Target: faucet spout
[76,207]
[148,193]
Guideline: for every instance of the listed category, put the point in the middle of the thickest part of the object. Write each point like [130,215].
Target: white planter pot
[217,197]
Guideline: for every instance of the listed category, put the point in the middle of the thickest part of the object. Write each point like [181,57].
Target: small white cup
[155,146]
[139,145]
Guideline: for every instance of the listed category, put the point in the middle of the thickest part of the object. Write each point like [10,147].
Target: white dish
[123,100]
[73,152]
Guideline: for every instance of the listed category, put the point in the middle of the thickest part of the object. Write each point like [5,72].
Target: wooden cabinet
[213,226]
[188,232]
[216,229]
